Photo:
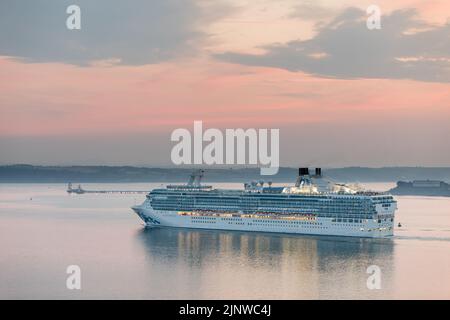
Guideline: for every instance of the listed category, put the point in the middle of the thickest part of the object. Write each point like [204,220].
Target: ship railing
[187,187]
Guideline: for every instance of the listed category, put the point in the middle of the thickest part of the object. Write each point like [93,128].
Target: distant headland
[23,173]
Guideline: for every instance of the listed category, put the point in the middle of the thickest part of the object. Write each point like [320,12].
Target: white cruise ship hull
[320,226]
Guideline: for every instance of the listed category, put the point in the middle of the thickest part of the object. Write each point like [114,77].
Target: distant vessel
[77,190]
[432,188]
[312,206]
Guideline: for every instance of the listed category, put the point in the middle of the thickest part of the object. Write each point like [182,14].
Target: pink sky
[46,100]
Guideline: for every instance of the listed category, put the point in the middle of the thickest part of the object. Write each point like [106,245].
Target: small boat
[399,225]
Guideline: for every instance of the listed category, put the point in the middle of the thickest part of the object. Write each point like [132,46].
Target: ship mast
[196,178]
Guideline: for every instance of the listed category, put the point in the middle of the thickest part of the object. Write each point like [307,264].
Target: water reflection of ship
[299,267]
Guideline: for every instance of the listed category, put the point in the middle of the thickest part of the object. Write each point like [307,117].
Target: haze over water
[43,230]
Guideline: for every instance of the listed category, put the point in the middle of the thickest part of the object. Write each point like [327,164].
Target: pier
[80,190]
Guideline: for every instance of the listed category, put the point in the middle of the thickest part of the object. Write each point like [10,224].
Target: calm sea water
[43,230]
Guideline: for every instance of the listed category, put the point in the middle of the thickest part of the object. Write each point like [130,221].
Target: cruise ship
[313,206]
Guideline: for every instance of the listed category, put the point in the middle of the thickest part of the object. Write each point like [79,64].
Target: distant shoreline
[128,174]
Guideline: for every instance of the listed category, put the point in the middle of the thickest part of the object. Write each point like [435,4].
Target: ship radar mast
[194,182]
[196,178]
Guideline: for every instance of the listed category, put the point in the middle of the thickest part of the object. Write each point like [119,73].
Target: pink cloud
[56,99]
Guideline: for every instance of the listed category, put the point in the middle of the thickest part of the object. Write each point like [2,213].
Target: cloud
[404,48]
[112,31]
[311,10]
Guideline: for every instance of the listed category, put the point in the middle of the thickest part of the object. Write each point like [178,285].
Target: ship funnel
[303,171]
[318,172]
